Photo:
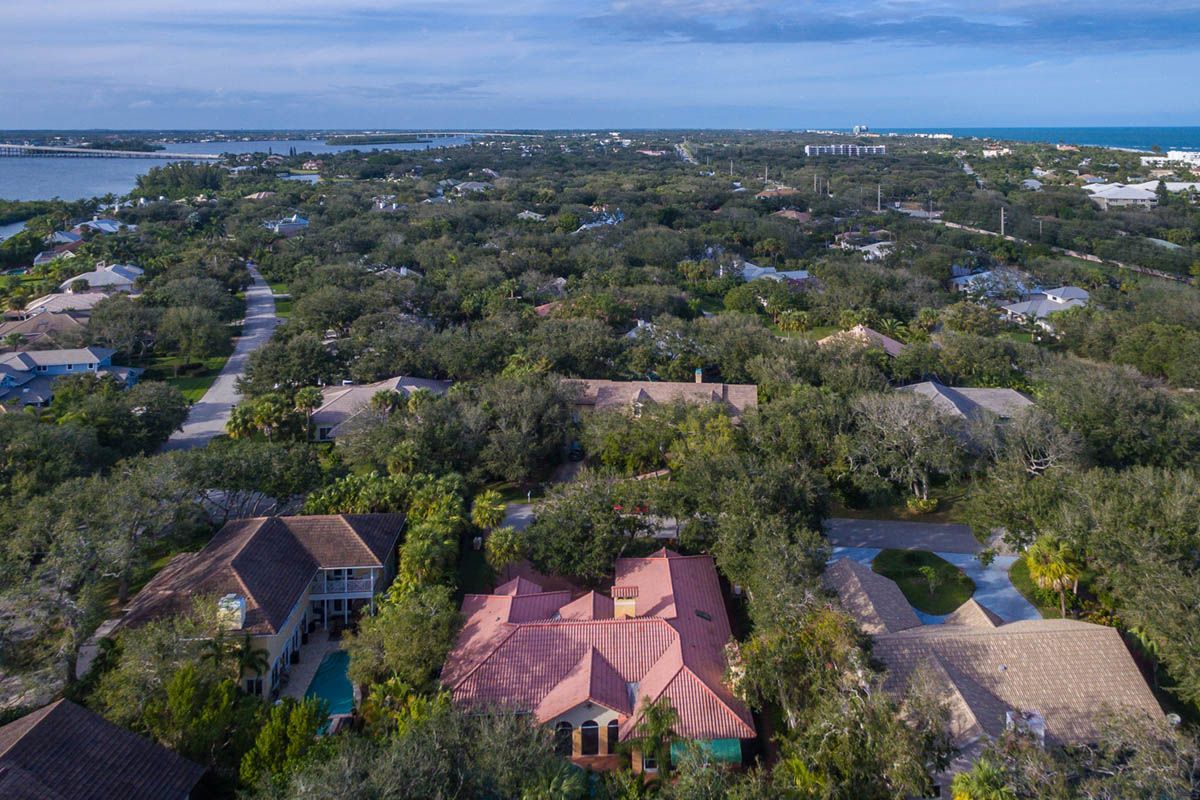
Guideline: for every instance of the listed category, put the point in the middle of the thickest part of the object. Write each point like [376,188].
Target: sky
[479,64]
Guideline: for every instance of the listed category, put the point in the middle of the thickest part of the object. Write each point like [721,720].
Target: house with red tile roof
[587,664]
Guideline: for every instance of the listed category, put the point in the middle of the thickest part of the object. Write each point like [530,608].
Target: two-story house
[27,379]
[278,579]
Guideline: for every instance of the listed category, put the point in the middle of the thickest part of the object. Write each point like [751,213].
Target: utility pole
[1040,228]
[879,198]
[1002,220]
[814,183]
[731,167]
[767,174]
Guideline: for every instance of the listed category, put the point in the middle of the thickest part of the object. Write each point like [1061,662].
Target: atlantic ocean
[1125,138]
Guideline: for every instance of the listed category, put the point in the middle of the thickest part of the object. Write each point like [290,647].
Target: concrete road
[889,535]
[993,589]
[208,416]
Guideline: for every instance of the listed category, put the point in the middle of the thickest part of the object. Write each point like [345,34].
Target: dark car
[575,453]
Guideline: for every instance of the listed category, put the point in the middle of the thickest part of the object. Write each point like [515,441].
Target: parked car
[575,453]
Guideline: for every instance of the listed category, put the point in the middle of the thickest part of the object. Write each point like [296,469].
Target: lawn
[1018,573]
[279,287]
[194,385]
[949,510]
[516,492]
[283,307]
[821,331]
[904,567]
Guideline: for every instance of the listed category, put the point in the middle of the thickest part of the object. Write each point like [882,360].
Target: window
[254,686]
[614,734]
[649,763]
[323,433]
[70,367]
[589,738]
[562,739]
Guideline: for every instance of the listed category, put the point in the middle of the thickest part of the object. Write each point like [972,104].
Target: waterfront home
[1050,677]
[288,226]
[103,226]
[341,404]
[27,378]
[106,278]
[278,580]
[587,664]
[63,751]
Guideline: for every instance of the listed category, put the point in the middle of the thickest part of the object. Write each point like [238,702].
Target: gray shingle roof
[876,603]
[970,402]
[65,751]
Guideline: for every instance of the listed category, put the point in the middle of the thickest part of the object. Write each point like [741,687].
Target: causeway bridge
[50,151]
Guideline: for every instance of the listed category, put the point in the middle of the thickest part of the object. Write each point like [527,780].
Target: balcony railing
[323,585]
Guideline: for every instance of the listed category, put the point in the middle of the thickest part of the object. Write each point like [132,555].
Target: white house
[107,278]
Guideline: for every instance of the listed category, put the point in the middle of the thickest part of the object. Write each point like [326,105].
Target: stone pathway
[993,589]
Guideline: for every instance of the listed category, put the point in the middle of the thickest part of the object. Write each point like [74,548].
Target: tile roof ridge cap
[684,666]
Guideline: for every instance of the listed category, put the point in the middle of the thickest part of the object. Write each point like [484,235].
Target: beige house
[867,337]
[343,403]
[278,579]
[1052,677]
[636,395]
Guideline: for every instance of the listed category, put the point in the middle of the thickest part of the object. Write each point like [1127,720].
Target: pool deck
[311,656]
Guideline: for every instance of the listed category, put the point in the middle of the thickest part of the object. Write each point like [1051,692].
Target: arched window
[562,739]
[589,738]
[614,733]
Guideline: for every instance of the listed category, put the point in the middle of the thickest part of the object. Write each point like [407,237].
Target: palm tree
[250,658]
[308,400]
[241,422]
[504,546]
[656,732]
[488,509]
[984,781]
[1052,566]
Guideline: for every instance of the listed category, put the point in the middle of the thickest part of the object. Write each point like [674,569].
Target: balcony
[341,586]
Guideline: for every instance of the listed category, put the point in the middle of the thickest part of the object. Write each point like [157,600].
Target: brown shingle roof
[269,561]
[342,403]
[623,394]
[876,603]
[65,751]
[861,334]
[1065,670]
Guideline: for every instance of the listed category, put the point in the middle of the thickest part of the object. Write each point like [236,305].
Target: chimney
[699,375]
[624,601]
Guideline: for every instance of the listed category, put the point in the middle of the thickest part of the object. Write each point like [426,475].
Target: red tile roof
[575,651]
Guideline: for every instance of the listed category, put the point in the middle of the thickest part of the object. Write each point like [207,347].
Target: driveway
[519,515]
[890,535]
[993,589]
[207,417]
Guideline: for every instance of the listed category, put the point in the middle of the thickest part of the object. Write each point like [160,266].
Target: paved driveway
[993,589]
[208,416]
[519,515]
[889,535]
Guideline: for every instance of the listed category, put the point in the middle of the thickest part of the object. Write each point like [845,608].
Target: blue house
[28,378]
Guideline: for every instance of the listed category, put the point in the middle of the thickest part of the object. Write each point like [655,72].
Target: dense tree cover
[633,274]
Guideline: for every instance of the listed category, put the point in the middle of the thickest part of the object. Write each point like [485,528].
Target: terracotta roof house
[1052,676]
[344,403]
[65,752]
[278,578]
[633,395]
[861,334]
[587,663]
[969,402]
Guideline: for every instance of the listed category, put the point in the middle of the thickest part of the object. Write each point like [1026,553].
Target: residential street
[886,534]
[208,416]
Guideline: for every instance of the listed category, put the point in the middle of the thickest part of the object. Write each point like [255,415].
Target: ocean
[82,178]
[1129,138]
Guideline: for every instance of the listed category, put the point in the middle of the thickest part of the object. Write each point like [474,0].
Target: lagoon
[83,178]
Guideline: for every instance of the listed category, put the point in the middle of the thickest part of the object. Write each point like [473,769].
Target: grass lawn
[1017,336]
[949,510]
[712,305]
[283,308]
[904,567]
[821,331]
[193,386]
[1018,573]
[279,287]
[516,492]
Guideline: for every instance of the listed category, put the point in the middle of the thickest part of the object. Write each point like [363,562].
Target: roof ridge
[707,688]
[513,627]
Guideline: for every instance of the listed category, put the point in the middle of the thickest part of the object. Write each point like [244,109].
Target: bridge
[50,151]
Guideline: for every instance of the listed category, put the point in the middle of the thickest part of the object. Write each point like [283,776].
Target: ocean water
[1129,138]
[81,178]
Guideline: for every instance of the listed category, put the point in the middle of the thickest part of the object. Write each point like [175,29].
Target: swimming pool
[331,684]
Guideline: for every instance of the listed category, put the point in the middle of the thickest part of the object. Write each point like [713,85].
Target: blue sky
[606,63]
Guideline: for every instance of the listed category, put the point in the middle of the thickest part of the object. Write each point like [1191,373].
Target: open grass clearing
[907,569]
